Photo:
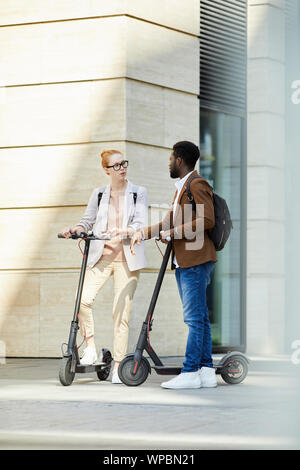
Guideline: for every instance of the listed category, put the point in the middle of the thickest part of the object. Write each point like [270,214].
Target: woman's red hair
[106,154]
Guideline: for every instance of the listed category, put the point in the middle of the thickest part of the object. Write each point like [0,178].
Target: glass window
[221,146]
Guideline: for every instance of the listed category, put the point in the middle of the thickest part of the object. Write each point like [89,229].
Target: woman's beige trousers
[125,283]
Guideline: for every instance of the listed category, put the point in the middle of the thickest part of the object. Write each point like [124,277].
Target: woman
[121,211]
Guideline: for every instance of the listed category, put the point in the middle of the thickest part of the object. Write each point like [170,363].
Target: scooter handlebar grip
[73,235]
[168,239]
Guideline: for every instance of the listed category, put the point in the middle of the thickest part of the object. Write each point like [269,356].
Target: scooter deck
[81,369]
[174,369]
[167,370]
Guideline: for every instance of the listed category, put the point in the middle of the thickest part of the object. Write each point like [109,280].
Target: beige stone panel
[63,51]
[169,333]
[34,243]
[149,167]
[277,316]
[21,55]
[57,308]
[51,175]
[265,246]
[162,56]
[181,117]
[19,313]
[154,256]
[258,3]
[31,241]
[266,86]
[266,193]
[24,11]
[86,49]
[30,238]
[66,174]
[266,145]
[265,315]
[27,332]
[58,292]
[257,315]
[63,113]
[266,32]
[159,116]
[172,13]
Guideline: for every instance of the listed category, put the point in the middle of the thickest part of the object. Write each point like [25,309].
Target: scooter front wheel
[127,377]
[66,375]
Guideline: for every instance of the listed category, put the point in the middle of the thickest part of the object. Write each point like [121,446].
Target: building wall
[266,173]
[292,200]
[77,78]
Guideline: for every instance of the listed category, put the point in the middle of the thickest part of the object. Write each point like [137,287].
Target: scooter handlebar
[85,236]
[159,238]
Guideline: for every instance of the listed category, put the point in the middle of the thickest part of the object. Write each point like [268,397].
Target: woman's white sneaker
[184,380]
[208,377]
[89,356]
[115,377]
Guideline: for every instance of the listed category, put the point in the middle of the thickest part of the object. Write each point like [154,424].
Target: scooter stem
[74,325]
[159,282]
[143,334]
[81,279]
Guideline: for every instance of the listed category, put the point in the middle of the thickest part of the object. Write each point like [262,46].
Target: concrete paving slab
[37,412]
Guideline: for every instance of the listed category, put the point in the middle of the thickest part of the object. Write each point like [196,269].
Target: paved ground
[36,412]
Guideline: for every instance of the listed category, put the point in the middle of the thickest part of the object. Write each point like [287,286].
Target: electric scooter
[134,368]
[70,362]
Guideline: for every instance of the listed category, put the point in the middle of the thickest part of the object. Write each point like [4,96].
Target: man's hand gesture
[137,237]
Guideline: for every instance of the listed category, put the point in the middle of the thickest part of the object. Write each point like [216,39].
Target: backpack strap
[189,193]
[100,194]
[134,193]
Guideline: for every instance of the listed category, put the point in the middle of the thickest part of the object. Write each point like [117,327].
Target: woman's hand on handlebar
[67,231]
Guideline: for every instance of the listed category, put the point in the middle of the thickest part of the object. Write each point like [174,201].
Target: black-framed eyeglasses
[117,166]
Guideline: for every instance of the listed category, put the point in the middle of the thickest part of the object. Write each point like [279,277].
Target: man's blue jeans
[192,283]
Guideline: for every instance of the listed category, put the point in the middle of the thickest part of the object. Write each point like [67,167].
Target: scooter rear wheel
[126,376]
[234,370]
[66,375]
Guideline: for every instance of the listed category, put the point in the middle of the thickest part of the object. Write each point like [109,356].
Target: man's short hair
[188,151]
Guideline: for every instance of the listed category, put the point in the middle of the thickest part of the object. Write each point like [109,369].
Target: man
[193,257]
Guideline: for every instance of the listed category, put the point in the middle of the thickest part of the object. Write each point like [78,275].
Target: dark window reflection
[220,164]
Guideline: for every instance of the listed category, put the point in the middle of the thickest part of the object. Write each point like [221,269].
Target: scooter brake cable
[80,247]
[84,335]
[148,338]
[159,248]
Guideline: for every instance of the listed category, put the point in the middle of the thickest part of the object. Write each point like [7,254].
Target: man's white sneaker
[89,356]
[184,380]
[115,377]
[208,377]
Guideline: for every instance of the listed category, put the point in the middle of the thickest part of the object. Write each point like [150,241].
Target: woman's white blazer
[134,215]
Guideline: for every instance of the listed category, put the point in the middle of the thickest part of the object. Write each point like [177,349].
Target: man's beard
[174,173]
